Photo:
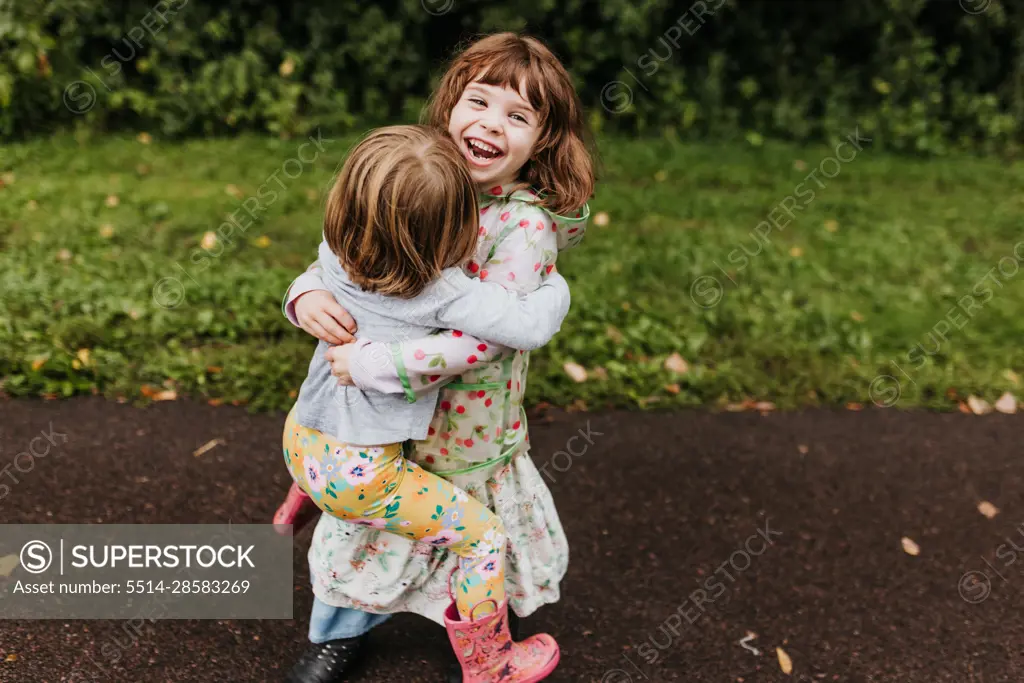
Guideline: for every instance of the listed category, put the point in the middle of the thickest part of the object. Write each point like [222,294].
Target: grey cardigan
[453,301]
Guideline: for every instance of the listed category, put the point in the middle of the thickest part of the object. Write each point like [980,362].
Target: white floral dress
[477,439]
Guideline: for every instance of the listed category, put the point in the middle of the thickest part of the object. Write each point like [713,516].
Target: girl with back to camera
[510,106]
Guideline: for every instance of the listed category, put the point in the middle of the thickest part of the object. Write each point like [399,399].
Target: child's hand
[338,358]
[321,316]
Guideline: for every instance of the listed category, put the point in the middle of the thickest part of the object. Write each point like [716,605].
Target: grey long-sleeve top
[453,301]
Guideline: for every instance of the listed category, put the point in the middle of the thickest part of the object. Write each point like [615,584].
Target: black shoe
[329,662]
[454,674]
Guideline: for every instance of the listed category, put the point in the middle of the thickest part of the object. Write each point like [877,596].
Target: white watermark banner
[145,571]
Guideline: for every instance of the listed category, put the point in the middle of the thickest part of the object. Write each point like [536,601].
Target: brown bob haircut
[562,166]
[403,208]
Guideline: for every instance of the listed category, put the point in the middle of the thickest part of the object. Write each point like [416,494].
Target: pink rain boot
[488,654]
[297,510]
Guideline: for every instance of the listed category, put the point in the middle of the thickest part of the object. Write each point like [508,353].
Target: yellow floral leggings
[376,486]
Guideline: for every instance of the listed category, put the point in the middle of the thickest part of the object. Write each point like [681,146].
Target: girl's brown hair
[562,165]
[402,209]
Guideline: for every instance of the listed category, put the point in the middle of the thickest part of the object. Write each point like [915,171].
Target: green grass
[913,237]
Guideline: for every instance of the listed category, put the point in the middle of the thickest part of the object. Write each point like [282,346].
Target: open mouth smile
[482,153]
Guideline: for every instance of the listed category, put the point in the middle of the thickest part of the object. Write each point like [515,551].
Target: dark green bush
[913,75]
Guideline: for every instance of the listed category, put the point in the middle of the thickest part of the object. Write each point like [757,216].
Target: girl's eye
[477,100]
[520,117]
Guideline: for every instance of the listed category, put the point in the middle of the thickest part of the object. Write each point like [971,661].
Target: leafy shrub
[914,75]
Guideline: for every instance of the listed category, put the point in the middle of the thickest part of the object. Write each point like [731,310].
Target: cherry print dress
[477,439]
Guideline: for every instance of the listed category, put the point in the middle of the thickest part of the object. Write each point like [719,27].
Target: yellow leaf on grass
[112,200]
[785,663]
[857,316]
[209,240]
[832,225]
[660,176]
[144,138]
[576,372]
[234,191]
[1007,404]
[978,406]
[65,255]
[909,547]
[1012,376]
[614,334]
[765,406]
[212,443]
[39,362]
[988,509]
[676,364]
[800,165]
[672,388]
[262,242]
[7,178]
[601,219]
[106,231]
[8,564]
[287,67]
[84,356]
[166,395]
[32,205]
[796,252]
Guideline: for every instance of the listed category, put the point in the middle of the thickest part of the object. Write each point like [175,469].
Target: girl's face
[496,129]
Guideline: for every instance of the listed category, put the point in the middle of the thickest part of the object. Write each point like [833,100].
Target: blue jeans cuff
[331,623]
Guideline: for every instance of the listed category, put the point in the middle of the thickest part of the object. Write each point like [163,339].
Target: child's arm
[521,262]
[319,313]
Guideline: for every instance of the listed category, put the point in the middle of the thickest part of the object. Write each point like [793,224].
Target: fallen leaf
[142,169]
[735,407]
[1007,404]
[212,443]
[857,316]
[32,205]
[672,388]
[854,406]
[209,240]
[112,200]
[660,176]
[676,364]
[785,663]
[579,405]
[1011,376]
[262,242]
[39,362]
[293,393]
[7,178]
[832,225]
[312,195]
[600,373]
[218,401]
[764,406]
[614,334]
[214,369]
[576,372]
[144,138]
[106,231]
[978,406]
[234,191]
[909,547]
[988,509]
[11,658]
[796,252]
[287,67]
[166,395]
[803,449]
[8,564]
[83,355]
[800,165]
[65,255]
[951,393]
[601,219]
[963,408]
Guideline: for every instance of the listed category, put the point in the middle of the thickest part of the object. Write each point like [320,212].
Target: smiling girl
[510,106]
